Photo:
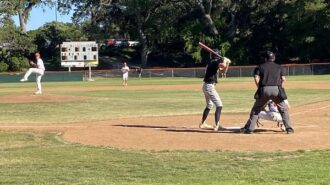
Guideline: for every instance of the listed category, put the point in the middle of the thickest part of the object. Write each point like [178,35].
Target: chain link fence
[234,71]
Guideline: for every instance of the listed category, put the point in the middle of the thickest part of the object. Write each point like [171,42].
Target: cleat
[289,131]
[248,131]
[245,131]
[37,93]
[205,126]
[24,80]
[217,127]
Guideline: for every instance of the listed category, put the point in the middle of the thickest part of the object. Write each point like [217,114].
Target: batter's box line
[298,125]
[311,110]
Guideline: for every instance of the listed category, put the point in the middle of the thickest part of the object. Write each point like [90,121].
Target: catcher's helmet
[270,56]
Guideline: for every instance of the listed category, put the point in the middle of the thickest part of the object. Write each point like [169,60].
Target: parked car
[110,42]
[121,43]
[133,43]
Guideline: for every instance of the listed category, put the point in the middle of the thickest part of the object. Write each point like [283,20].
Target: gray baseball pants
[267,93]
[211,96]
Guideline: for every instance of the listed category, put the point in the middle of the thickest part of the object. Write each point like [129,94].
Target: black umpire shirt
[211,75]
[270,74]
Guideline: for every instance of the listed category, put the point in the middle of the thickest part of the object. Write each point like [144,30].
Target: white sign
[72,64]
[79,54]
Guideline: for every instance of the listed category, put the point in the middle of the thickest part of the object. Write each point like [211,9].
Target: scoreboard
[79,54]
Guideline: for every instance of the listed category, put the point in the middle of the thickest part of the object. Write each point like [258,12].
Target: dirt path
[311,123]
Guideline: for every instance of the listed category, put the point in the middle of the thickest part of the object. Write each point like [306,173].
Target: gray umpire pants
[211,96]
[268,93]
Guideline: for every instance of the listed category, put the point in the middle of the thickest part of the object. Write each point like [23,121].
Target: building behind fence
[234,71]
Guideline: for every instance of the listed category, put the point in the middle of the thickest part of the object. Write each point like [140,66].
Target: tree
[16,45]
[6,8]
[22,8]
[49,37]
[206,8]
[308,30]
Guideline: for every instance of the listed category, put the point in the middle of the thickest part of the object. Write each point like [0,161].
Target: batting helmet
[217,51]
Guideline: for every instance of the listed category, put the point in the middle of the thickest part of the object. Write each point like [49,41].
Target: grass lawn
[31,158]
[28,158]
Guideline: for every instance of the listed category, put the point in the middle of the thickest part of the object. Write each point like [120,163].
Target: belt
[210,83]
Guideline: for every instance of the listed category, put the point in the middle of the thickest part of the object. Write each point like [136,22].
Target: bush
[18,64]
[3,66]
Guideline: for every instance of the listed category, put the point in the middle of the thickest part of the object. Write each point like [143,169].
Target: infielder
[125,70]
[38,69]
[211,96]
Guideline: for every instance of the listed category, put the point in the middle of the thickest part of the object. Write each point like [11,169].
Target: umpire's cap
[270,56]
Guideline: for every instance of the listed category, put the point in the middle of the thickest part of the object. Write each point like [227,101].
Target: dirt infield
[311,123]
[181,132]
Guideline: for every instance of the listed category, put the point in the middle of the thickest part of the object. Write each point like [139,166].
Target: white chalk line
[234,127]
[41,126]
[311,110]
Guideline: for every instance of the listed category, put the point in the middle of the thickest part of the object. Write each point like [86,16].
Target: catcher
[272,114]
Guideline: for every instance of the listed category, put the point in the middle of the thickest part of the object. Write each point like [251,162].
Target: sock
[217,114]
[205,114]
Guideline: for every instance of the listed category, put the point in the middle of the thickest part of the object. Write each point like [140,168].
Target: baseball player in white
[272,114]
[125,70]
[38,69]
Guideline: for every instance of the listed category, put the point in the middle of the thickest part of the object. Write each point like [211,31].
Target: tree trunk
[144,48]
[144,44]
[211,24]
[22,21]
[206,8]
[144,55]
[23,15]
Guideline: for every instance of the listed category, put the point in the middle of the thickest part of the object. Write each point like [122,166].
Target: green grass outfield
[30,158]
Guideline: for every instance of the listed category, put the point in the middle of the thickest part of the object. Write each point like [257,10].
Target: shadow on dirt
[197,130]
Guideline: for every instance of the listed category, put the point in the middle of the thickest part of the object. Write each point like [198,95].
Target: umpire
[269,78]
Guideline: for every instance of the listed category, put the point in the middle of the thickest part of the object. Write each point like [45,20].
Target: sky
[39,16]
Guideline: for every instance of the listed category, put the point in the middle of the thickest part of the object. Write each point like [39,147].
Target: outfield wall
[234,71]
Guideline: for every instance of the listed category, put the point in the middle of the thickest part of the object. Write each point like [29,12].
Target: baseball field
[147,133]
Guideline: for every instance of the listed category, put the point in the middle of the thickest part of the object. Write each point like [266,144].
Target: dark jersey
[211,75]
[270,74]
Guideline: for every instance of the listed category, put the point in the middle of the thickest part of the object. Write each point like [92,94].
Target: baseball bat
[203,46]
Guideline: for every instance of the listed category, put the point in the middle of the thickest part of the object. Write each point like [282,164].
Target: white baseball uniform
[39,71]
[125,71]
